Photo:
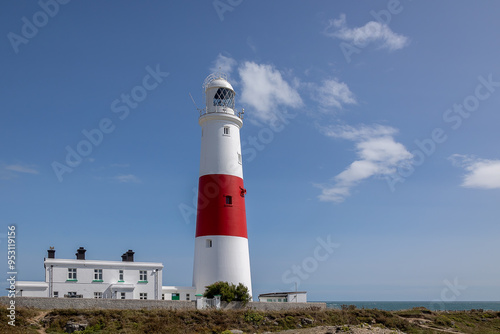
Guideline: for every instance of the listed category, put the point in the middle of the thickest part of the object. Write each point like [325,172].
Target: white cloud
[481,173]
[223,64]
[331,93]
[378,155]
[265,90]
[371,32]
[127,178]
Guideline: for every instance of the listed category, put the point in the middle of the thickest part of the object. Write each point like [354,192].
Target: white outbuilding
[284,297]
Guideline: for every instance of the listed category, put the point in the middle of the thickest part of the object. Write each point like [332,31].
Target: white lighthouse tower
[221,244]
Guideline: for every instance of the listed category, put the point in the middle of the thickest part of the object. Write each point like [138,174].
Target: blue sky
[370,139]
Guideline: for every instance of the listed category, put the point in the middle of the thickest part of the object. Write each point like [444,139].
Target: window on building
[143,295]
[120,274]
[229,200]
[269,300]
[97,274]
[143,275]
[72,273]
[162,296]
[71,294]
[209,243]
[122,295]
[224,97]
[285,300]
[97,294]
[239,158]
[56,294]
[187,296]
[226,130]
[176,296]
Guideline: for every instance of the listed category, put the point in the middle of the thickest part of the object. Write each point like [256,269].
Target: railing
[223,110]
[73,296]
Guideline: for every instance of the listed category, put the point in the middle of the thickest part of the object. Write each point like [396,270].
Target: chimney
[51,253]
[80,255]
[124,257]
[130,255]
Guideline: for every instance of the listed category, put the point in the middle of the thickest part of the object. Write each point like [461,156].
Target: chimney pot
[51,253]
[80,253]
[130,255]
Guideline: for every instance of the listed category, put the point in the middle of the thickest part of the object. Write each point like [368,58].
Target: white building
[284,297]
[81,278]
[178,293]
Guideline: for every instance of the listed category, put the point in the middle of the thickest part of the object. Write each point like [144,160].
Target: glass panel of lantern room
[224,97]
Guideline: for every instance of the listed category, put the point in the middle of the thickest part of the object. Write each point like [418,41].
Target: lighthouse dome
[220,82]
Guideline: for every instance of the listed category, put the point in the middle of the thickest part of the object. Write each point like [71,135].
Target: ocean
[433,305]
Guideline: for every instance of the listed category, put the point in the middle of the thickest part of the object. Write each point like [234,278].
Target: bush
[228,292]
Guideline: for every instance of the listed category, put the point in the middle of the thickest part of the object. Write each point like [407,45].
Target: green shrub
[253,317]
[228,292]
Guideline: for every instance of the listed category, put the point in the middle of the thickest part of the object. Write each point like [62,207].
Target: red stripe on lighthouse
[221,206]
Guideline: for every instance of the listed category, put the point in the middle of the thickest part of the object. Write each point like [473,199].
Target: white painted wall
[32,289]
[183,292]
[219,152]
[291,297]
[227,260]
[297,298]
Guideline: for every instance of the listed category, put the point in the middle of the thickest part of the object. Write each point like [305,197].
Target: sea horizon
[430,305]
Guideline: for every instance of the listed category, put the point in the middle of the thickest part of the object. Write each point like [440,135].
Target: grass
[249,321]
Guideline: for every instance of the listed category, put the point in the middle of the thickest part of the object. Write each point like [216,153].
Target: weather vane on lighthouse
[221,244]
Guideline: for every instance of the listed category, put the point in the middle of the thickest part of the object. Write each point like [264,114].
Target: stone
[74,326]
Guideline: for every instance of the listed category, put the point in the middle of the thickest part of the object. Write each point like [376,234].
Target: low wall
[45,303]
[265,306]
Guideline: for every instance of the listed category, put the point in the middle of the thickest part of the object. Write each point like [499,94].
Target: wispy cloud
[21,169]
[331,94]
[378,155]
[371,32]
[9,172]
[265,90]
[480,173]
[223,64]
[127,178]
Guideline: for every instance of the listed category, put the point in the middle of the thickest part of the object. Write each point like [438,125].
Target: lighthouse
[221,243]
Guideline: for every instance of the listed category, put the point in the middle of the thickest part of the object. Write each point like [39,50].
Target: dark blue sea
[433,306]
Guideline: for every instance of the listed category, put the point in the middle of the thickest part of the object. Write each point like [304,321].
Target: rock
[306,321]
[74,326]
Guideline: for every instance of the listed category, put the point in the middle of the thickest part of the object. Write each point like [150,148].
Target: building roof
[281,294]
[31,284]
[104,264]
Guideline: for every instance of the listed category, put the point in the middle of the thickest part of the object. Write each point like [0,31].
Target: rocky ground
[343,329]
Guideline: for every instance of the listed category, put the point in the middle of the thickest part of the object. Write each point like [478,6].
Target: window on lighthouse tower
[224,97]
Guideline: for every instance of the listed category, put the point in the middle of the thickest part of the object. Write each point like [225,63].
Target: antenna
[200,110]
